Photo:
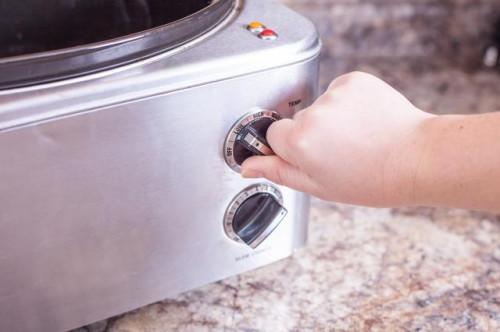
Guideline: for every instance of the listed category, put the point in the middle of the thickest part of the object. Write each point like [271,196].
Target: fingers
[278,171]
[279,136]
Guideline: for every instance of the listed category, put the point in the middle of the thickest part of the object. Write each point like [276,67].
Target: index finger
[279,136]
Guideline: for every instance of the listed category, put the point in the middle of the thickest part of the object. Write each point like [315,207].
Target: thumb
[278,171]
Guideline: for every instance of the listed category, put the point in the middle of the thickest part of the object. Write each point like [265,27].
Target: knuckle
[299,140]
[329,97]
[349,80]
[272,134]
[299,115]
[357,76]
[279,177]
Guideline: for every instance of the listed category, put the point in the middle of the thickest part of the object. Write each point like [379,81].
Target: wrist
[433,169]
[408,162]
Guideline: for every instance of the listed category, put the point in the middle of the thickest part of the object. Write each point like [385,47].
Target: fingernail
[250,173]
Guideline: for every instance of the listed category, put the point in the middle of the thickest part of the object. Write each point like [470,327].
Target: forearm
[459,162]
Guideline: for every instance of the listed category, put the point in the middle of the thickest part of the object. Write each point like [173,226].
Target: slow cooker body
[117,188]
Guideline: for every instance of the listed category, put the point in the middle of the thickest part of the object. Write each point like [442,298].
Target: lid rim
[35,68]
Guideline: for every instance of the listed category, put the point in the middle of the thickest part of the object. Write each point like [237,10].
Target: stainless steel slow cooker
[122,128]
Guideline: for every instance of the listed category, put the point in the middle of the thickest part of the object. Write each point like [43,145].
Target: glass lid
[47,40]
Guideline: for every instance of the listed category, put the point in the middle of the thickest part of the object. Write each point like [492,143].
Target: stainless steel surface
[240,198]
[228,51]
[232,136]
[102,213]
[52,65]
[113,186]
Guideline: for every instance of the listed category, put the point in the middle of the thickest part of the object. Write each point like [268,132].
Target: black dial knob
[248,138]
[254,214]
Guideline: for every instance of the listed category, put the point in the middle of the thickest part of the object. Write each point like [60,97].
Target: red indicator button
[268,34]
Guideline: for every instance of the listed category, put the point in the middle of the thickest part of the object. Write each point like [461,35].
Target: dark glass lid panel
[32,26]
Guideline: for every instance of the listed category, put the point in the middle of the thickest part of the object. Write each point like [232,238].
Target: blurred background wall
[430,49]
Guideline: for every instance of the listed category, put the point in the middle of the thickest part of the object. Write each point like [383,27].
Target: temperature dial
[247,138]
[254,214]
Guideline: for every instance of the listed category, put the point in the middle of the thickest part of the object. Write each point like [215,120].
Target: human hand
[359,143]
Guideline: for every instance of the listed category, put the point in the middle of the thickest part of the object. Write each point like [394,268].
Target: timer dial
[247,138]
[254,214]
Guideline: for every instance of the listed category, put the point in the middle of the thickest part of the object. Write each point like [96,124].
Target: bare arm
[460,162]
[363,143]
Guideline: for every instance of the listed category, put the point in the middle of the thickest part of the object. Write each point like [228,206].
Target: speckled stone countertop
[414,269]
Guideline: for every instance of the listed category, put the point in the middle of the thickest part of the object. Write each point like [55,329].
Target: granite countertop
[413,269]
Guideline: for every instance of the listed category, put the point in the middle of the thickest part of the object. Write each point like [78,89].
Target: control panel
[257,210]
